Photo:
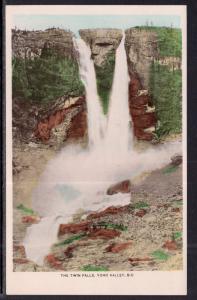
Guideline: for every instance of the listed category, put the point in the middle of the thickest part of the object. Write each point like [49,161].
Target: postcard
[96,150]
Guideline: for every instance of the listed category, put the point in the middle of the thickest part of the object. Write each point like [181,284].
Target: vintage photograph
[96,150]
[97,143]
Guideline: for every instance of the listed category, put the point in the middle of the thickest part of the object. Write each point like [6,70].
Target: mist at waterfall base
[77,179]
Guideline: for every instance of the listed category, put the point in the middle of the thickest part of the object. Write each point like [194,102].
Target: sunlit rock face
[142,50]
[102,42]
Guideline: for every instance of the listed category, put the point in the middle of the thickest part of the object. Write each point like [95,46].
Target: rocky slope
[145,235]
[47,92]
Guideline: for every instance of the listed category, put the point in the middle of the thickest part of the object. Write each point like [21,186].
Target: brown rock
[144,121]
[138,259]
[170,245]
[103,233]
[120,187]
[117,247]
[141,135]
[69,251]
[176,159]
[176,209]
[140,213]
[112,210]
[74,227]
[54,262]
[78,126]
[30,219]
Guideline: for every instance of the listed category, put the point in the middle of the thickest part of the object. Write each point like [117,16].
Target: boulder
[176,159]
[117,247]
[103,233]
[120,187]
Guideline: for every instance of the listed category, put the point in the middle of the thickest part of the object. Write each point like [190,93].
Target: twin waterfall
[113,133]
[76,180]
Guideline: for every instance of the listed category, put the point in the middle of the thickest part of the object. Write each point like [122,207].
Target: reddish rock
[138,106]
[74,227]
[142,135]
[176,209]
[170,245]
[69,251]
[140,213]
[134,85]
[120,187]
[54,262]
[44,127]
[117,247]
[30,219]
[138,259]
[21,261]
[145,120]
[176,159]
[78,126]
[103,233]
[112,210]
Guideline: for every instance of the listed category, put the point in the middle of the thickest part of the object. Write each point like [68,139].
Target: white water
[118,133]
[88,76]
[77,179]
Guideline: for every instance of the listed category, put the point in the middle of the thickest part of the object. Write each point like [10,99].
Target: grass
[45,78]
[166,91]
[160,255]
[70,240]
[93,268]
[170,169]
[104,77]
[113,226]
[25,210]
[177,235]
[140,204]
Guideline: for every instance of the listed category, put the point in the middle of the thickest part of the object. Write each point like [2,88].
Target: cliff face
[49,97]
[103,44]
[47,91]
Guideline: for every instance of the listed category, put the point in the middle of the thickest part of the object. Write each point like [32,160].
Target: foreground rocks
[145,235]
[121,187]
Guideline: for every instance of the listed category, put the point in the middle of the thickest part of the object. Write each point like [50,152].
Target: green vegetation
[25,210]
[104,77]
[177,235]
[45,78]
[140,204]
[169,40]
[112,226]
[170,169]
[160,255]
[166,91]
[70,240]
[92,268]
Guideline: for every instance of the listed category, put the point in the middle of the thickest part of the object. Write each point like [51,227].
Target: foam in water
[77,179]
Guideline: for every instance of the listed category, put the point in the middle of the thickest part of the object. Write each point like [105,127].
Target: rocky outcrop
[35,118]
[142,49]
[77,126]
[120,187]
[32,44]
[102,42]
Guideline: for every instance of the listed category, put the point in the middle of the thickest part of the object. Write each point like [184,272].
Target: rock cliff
[47,91]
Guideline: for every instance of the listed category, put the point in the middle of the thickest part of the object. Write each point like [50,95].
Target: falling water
[118,134]
[88,76]
[76,178]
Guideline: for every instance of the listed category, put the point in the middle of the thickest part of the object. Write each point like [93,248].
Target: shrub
[45,78]
[166,92]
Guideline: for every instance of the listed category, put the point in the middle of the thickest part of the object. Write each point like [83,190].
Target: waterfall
[88,77]
[77,178]
[118,134]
